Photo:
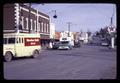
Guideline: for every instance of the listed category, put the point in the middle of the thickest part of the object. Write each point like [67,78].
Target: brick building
[57,36]
[23,19]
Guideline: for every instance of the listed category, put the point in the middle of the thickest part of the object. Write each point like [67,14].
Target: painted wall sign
[32,41]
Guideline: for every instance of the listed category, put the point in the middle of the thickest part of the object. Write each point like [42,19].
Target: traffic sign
[111,29]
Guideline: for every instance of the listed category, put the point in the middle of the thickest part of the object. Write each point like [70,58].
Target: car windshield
[65,43]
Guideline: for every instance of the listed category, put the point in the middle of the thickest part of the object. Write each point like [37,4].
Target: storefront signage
[32,41]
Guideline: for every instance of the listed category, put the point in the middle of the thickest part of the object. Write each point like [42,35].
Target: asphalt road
[85,63]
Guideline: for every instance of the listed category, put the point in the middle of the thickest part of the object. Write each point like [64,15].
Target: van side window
[5,41]
[11,40]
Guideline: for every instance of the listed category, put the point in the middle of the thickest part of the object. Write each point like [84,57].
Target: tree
[103,32]
[97,33]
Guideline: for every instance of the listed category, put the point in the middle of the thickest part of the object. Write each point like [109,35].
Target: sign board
[32,41]
[111,29]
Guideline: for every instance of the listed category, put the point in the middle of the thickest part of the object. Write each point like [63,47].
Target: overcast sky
[82,16]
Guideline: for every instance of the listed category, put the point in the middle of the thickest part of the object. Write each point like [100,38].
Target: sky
[83,17]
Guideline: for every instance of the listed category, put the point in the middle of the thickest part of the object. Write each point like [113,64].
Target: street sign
[111,29]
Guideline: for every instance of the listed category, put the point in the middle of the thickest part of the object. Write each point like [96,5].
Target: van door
[19,47]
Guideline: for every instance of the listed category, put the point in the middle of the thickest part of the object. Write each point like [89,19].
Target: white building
[77,37]
[84,37]
[52,30]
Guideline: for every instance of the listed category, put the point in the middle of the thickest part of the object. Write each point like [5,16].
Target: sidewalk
[115,48]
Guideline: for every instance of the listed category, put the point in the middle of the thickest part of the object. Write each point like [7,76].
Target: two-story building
[20,18]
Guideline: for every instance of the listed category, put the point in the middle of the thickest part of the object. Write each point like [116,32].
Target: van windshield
[11,40]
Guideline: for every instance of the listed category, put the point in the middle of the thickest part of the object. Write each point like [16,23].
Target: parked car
[104,42]
[77,44]
[56,45]
[66,46]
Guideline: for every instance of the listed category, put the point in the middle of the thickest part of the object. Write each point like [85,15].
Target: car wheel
[8,56]
[35,54]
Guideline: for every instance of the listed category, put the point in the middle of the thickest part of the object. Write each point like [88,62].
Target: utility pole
[69,23]
[112,37]
[111,23]
[111,30]
[55,16]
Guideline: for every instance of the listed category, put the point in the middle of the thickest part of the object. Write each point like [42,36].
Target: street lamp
[55,16]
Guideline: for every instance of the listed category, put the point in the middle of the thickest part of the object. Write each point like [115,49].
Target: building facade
[84,37]
[57,36]
[52,31]
[23,19]
[76,36]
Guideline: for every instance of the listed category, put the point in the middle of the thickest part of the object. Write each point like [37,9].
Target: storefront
[45,40]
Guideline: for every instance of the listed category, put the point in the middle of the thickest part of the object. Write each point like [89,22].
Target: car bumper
[104,44]
[63,48]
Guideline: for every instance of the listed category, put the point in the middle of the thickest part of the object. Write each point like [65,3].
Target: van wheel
[35,53]
[8,56]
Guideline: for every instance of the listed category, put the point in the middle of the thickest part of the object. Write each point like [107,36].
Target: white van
[21,45]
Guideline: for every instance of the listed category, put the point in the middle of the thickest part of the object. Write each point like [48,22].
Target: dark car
[56,45]
[77,44]
[104,42]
